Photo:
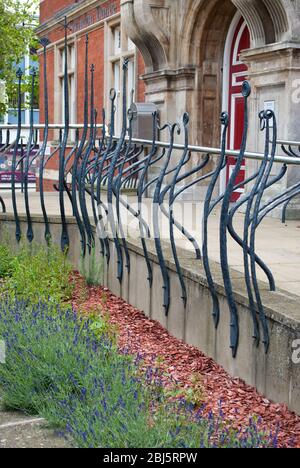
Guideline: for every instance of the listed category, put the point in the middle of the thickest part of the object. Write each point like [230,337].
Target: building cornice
[71,12]
[181,79]
[170,74]
[269,51]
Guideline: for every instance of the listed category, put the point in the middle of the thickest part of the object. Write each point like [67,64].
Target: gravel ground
[239,402]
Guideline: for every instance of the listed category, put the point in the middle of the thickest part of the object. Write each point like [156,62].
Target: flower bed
[186,364]
[106,376]
[56,367]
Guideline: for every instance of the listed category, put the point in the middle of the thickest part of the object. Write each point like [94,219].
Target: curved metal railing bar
[117,183]
[268,116]
[65,241]
[289,152]
[173,195]
[273,205]
[239,240]
[234,320]
[78,155]
[83,168]
[103,162]
[249,250]
[47,234]
[156,228]
[67,171]
[30,142]
[206,213]
[4,149]
[278,201]
[14,161]
[3,206]
[141,191]
[93,171]
[114,161]
[182,162]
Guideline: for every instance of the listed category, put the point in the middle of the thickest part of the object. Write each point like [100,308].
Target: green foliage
[100,324]
[193,395]
[67,368]
[92,268]
[6,261]
[40,274]
[17,34]
[60,367]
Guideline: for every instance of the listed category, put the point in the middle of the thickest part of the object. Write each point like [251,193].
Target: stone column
[274,73]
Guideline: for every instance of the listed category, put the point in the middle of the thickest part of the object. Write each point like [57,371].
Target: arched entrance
[235,72]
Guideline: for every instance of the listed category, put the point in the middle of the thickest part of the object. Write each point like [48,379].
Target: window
[117,40]
[119,47]
[12,117]
[12,113]
[60,103]
[27,64]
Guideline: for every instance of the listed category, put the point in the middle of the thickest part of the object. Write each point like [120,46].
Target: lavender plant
[57,367]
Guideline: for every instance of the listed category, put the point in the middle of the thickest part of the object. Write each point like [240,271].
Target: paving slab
[18,430]
[7,417]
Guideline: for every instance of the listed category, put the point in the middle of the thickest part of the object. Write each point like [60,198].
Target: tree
[18,20]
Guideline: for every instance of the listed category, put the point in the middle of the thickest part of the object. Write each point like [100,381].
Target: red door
[237,74]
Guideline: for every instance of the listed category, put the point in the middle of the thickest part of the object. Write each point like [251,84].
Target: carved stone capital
[148,24]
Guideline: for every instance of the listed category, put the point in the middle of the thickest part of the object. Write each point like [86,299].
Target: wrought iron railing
[95,170]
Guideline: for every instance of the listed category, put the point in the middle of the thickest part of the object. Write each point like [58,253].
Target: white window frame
[114,57]
[72,81]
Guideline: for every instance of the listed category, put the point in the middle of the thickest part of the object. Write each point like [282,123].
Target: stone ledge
[280,306]
[54,219]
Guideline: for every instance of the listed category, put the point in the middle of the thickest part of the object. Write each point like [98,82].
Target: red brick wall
[96,53]
[141,83]
[50,81]
[96,56]
[49,8]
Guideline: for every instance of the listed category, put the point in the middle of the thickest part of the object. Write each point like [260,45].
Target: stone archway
[182,42]
[269,21]
[203,36]
[206,49]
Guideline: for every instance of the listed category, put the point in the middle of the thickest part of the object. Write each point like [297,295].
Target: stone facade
[182,43]
[181,60]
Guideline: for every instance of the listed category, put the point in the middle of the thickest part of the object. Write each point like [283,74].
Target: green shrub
[40,274]
[57,368]
[6,260]
[92,268]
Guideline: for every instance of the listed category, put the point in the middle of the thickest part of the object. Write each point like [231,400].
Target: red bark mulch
[140,335]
